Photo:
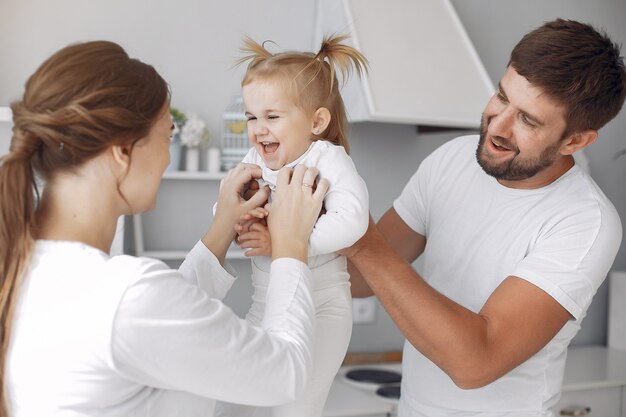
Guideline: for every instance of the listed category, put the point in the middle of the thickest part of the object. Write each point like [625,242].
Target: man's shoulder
[456,154]
[460,143]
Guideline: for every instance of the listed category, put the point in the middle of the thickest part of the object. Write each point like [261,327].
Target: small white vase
[175,151]
[192,159]
[213,160]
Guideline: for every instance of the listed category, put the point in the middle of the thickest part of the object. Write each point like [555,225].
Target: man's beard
[515,169]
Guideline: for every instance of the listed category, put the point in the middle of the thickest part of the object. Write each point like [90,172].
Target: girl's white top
[95,335]
[346,201]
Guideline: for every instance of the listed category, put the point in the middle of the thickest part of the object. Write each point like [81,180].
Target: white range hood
[424,69]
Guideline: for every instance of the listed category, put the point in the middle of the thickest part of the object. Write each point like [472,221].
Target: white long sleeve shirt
[95,335]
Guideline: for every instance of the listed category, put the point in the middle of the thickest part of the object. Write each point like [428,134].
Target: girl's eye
[250,118]
[272,116]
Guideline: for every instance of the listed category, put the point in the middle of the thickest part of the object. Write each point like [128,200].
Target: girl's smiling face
[279,130]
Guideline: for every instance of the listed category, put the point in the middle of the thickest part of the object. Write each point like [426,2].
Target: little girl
[296,116]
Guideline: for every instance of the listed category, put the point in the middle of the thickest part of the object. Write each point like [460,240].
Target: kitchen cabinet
[594,402]
[594,383]
[184,206]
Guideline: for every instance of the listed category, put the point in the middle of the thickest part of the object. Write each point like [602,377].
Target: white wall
[194,43]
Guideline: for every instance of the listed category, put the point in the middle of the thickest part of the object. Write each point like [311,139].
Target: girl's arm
[346,203]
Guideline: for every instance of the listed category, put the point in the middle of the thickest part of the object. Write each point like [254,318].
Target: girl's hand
[295,209]
[254,215]
[257,239]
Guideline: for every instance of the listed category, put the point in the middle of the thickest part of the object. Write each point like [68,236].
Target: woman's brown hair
[310,76]
[78,103]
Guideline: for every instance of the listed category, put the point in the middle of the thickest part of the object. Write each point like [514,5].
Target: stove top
[383,383]
[391,391]
[375,376]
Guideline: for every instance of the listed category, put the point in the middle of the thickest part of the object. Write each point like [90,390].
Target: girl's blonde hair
[80,101]
[310,77]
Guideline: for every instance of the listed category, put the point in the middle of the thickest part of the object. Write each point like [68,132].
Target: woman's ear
[578,141]
[120,155]
[321,120]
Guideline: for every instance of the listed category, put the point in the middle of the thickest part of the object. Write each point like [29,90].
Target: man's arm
[474,349]
[406,242]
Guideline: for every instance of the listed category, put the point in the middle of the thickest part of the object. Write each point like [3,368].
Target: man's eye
[526,120]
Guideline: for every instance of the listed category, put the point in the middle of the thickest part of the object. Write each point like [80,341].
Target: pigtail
[253,52]
[342,57]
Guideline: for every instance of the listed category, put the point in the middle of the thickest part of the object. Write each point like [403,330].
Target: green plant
[178,117]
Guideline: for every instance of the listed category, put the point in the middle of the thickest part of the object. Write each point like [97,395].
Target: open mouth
[499,146]
[270,147]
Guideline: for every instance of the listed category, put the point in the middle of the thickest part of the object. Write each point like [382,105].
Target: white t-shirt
[95,335]
[562,238]
[346,201]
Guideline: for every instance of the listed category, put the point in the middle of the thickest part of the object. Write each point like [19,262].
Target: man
[515,237]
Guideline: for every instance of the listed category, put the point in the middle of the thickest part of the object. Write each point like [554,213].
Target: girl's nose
[259,127]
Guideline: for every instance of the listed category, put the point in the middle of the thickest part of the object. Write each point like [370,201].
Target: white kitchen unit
[430,70]
[204,183]
[5,129]
[594,386]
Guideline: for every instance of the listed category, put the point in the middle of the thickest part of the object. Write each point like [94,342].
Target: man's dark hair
[578,67]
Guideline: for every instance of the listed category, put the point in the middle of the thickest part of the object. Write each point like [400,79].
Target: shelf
[169,255]
[198,175]
[174,255]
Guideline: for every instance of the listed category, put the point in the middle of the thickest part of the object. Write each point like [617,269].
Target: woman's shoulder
[80,260]
[134,268]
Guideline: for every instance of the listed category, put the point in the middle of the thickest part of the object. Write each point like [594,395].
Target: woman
[84,333]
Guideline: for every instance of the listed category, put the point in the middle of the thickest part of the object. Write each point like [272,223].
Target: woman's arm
[231,206]
[170,334]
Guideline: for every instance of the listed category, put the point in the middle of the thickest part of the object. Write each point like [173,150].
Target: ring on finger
[306,185]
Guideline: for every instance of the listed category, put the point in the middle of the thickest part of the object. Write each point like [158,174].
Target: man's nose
[501,124]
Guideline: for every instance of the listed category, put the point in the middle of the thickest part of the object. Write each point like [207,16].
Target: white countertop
[587,367]
[594,367]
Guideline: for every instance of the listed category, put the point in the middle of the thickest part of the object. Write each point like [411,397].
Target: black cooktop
[374,376]
[389,391]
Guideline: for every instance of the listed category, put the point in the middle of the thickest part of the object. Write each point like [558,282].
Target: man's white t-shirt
[562,238]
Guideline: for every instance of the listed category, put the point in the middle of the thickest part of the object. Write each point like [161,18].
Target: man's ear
[579,141]
[321,120]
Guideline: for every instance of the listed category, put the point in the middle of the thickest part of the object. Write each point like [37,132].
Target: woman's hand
[231,206]
[295,209]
